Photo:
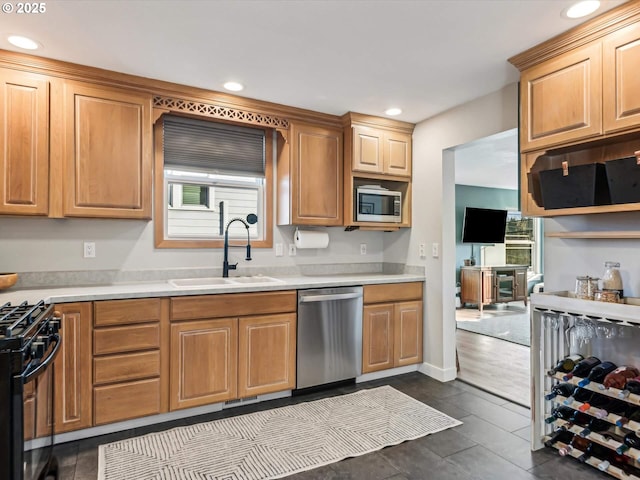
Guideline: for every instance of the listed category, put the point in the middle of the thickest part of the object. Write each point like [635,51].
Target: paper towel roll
[311,239]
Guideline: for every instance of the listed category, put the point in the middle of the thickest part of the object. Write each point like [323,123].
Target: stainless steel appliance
[29,342]
[377,204]
[329,335]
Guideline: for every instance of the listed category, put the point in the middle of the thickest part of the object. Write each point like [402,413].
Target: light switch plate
[89,249]
[292,250]
[279,250]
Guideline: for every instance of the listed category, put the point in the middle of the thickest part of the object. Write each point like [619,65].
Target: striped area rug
[274,443]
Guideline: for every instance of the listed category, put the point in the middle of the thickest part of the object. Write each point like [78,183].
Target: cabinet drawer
[123,312]
[123,401]
[126,339]
[232,305]
[130,366]
[392,292]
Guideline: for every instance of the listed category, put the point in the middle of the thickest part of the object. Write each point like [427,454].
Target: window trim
[159,197]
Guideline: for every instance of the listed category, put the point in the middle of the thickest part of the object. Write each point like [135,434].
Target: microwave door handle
[40,367]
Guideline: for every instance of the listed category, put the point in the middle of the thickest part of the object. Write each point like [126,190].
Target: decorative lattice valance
[217,111]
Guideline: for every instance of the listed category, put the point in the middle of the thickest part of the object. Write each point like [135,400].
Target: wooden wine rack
[594,462]
[595,437]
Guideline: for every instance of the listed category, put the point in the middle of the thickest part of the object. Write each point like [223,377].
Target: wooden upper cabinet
[397,154]
[106,152]
[310,182]
[24,143]
[621,79]
[561,99]
[380,151]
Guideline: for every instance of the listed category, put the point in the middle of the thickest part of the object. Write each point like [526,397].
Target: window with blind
[214,172]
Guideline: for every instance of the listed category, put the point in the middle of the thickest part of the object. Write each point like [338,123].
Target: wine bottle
[561,435]
[582,368]
[631,415]
[631,440]
[596,401]
[564,389]
[594,450]
[616,459]
[615,406]
[577,443]
[566,364]
[562,412]
[598,373]
[632,386]
[618,378]
[595,425]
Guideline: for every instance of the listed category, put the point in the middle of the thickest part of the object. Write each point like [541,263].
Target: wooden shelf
[595,234]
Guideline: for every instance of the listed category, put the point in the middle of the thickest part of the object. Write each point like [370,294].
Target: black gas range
[29,342]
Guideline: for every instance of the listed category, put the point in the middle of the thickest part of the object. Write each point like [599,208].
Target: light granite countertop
[165,289]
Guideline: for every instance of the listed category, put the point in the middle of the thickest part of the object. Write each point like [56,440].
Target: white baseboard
[440,374]
[386,373]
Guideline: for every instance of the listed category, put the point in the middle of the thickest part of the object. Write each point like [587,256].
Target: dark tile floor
[492,443]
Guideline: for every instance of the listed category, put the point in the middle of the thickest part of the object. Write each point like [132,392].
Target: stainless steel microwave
[377,204]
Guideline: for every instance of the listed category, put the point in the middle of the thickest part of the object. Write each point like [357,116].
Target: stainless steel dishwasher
[329,335]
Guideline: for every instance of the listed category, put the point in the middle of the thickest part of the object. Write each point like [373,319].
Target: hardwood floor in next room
[495,365]
[491,444]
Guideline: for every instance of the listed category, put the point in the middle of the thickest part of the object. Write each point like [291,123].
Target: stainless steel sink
[221,282]
[255,279]
[200,282]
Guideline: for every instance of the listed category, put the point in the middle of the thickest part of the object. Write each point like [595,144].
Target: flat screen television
[484,225]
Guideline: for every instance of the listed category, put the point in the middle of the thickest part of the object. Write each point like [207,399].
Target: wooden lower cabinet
[124,401]
[72,369]
[204,356]
[391,331]
[266,354]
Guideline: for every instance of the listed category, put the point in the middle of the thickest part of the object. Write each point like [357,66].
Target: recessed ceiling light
[582,9]
[393,111]
[233,86]
[23,42]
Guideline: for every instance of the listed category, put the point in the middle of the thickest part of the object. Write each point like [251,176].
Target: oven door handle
[31,373]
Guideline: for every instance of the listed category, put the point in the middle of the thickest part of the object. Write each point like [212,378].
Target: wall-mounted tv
[484,225]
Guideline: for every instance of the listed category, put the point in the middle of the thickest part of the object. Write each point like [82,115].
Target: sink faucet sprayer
[251,219]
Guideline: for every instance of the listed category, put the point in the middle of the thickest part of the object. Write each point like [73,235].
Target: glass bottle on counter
[586,287]
[611,280]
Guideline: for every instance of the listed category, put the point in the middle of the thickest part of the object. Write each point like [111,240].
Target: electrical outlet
[363,249]
[422,250]
[279,250]
[292,250]
[435,250]
[89,249]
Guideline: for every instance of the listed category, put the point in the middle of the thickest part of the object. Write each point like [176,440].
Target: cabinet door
[521,287]
[407,333]
[621,82]
[204,357]
[367,155]
[316,194]
[561,99]
[106,152]
[488,286]
[377,337]
[397,154]
[266,354]
[470,285]
[24,143]
[72,369]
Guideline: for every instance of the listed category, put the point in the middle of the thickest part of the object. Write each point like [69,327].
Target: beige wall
[433,213]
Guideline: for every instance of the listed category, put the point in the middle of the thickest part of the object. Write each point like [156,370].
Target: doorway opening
[494,279]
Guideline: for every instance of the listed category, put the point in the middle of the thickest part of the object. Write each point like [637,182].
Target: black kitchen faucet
[251,219]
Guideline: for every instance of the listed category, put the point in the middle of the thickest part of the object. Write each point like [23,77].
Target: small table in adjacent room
[485,285]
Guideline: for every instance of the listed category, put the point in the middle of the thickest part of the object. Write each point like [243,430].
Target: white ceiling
[490,162]
[333,56]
